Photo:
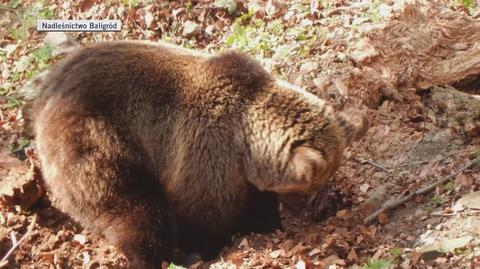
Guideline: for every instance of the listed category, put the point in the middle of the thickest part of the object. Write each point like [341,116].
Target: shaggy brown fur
[156,147]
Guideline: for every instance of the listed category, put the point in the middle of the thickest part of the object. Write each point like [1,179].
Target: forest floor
[413,65]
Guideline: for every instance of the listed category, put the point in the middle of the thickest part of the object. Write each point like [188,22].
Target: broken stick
[374,164]
[4,261]
[401,199]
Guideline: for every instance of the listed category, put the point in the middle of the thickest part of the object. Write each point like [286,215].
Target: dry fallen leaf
[22,189]
[344,214]
[382,218]
[464,180]
[364,188]
[296,249]
[314,252]
[352,256]
[244,243]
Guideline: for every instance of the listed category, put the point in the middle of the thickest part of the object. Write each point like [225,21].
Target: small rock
[191,28]
[54,39]
[277,253]
[364,188]
[308,67]
[341,57]
[471,200]
[60,42]
[436,249]
[300,265]
[86,258]
[80,238]
[430,252]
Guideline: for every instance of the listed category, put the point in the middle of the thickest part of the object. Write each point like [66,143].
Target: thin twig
[414,162]
[338,10]
[405,198]
[4,261]
[137,26]
[374,164]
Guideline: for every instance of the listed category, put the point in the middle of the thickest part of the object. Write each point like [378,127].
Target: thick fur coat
[157,147]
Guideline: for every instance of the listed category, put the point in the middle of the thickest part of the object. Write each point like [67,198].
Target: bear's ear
[353,124]
[308,164]
[306,169]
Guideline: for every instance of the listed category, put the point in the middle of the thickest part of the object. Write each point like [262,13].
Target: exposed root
[405,198]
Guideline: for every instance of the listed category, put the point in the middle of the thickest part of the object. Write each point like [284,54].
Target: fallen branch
[4,261]
[405,198]
[374,164]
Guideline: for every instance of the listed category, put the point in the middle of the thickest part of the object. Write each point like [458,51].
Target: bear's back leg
[98,176]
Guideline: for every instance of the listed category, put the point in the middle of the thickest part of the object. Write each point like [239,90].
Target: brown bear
[157,147]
